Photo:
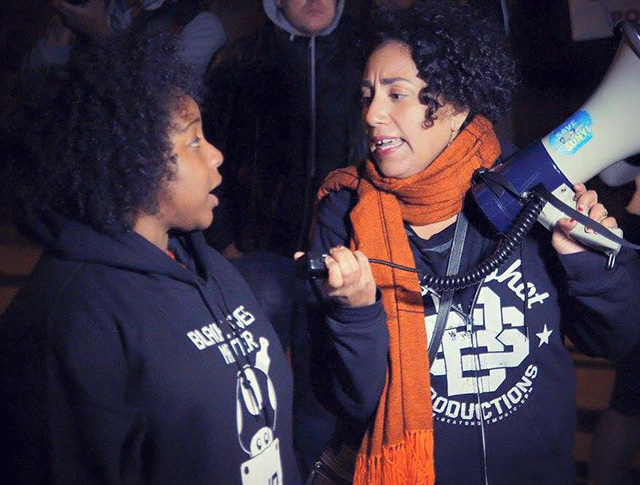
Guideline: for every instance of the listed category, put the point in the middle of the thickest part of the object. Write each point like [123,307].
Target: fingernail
[580,208]
[572,221]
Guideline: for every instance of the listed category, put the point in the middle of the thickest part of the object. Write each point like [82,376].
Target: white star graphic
[544,336]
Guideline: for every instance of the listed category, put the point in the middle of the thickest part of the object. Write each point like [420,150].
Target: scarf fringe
[407,462]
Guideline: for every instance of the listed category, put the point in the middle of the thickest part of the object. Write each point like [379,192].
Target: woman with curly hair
[495,403]
[135,353]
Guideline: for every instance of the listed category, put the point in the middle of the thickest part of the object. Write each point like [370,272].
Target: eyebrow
[386,81]
[183,129]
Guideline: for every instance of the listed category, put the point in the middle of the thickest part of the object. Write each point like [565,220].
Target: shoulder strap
[447,297]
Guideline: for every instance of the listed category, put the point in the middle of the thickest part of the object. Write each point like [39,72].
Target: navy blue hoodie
[503,384]
[119,364]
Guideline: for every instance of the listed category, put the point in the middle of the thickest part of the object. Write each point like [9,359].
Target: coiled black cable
[522,225]
[312,266]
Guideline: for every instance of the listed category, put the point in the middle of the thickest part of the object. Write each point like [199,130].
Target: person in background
[492,400]
[283,107]
[134,353]
[199,33]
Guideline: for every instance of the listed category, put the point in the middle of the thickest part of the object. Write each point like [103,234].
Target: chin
[391,173]
[204,225]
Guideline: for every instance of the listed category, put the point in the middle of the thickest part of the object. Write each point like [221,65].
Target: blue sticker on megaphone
[573,134]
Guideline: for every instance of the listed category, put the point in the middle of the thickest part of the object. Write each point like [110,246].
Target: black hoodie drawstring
[242,369]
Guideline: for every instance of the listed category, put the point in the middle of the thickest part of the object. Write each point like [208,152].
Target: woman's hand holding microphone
[349,282]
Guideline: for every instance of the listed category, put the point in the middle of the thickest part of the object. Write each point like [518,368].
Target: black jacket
[258,113]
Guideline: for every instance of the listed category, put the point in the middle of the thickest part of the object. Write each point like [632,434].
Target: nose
[375,113]
[214,156]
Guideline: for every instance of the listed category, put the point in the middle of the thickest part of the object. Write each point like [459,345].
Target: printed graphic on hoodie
[256,403]
[256,420]
[496,330]
[234,343]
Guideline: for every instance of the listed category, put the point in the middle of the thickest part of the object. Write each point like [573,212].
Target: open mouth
[385,144]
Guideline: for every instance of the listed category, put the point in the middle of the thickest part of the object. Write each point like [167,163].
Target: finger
[365,266]
[298,255]
[579,189]
[586,201]
[348,263]
[334,279]
[565,226]
[610,223]
[598,213]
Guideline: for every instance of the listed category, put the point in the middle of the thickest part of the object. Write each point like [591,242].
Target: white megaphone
[605,130]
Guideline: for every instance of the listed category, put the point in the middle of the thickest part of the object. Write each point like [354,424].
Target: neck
[150,228]
[428,230]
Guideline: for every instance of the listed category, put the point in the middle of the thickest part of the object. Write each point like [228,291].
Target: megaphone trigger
[552,212]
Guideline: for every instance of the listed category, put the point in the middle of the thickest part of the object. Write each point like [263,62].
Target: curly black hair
[460,54]
[91,139]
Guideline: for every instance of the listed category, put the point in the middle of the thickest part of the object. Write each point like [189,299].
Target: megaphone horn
[603,131]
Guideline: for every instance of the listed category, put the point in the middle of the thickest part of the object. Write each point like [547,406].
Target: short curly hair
[460,55]
[91,139]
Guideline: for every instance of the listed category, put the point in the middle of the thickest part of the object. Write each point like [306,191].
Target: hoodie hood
[127,250]
[276,16]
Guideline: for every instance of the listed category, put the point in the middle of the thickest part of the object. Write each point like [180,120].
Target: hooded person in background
[199,33]
[283,108]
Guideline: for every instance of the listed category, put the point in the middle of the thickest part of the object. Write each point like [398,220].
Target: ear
[457,118]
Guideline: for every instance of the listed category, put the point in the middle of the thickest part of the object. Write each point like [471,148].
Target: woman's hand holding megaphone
[567,232]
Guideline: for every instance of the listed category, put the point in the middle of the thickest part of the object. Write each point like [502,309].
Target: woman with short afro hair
[134,353]
[490,398]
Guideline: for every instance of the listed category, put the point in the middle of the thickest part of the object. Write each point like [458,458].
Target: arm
[349,344]
[601,319]
[97,427]
[601,313]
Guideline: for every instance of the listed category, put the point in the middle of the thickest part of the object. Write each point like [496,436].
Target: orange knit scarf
[397,449]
